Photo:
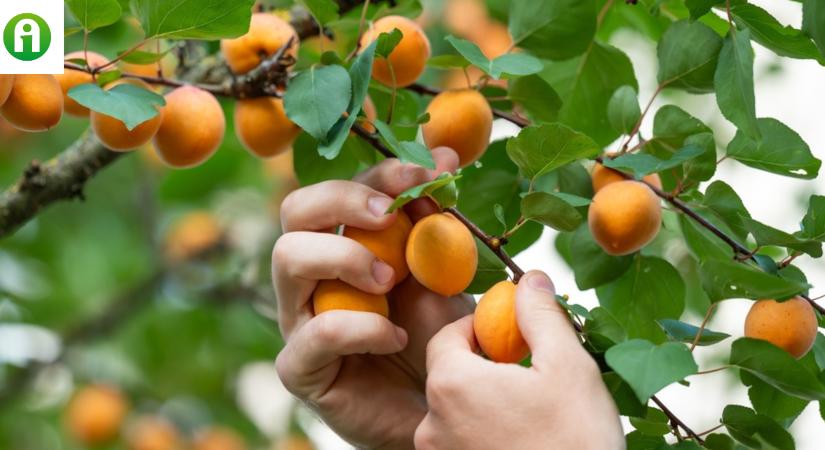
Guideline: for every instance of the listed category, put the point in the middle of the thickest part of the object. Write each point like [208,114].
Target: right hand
[363,374]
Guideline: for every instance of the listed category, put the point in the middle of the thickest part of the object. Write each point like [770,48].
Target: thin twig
[702,327]
[678,421]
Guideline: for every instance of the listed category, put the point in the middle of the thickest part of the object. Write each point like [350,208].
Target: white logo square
[31,37]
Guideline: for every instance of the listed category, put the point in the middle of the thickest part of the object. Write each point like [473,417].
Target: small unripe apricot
[462,120]
[153,433]
[71,78]
[388,245]
[495,325]
[602,176]
[6,83]
[263,127]
[218,439]
[335,294]
[113,133]
[192,129]
[624,217]
[35,103]
[95,414]
[267,33]
[790,325]
[442,254]
[408,59]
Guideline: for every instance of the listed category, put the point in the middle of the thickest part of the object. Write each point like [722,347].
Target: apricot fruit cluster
[790,325]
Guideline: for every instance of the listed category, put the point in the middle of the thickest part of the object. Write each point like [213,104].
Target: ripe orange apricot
[790,325]
[192,129]
[442,254]
[388,245]
[495,325]
[95,414]
[192,235]
[335,294]
[408,59]
[6,83]
[71,78]
[462,120]
[153,433]
[263,127]
[35,103]
[463,17]
[113,133]
[624,217]
[218,438]
[267,33]
[602,176]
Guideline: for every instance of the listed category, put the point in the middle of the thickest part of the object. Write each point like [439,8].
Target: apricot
[463,17]
[192,129]
[217,438]
[388,245]
[495,325]
[114,134]
[263,127]
[462,120]
[408,59]
[35,103]
[335,294]
[267,33]
[370,113]
[602,176]
[624,217]
[71,78]
[442,254]
[153,433]
[790,325]
[294,443]
[95,413]
[192,235]
[6,83]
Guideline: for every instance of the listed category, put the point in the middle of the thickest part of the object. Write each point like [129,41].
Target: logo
[27,37]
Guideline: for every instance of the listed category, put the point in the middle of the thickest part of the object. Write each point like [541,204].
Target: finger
[331,203]
[454,341]
[393,177]
[426,437]
[310,360]
[300,258]
[446,160]
[544,324]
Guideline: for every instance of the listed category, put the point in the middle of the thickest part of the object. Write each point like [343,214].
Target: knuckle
[424,438]
[443,384]
[324,330]
[284,370]
[281,253]
[288,206]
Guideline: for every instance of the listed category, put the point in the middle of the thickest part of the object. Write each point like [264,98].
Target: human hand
[558,403]
[362,373]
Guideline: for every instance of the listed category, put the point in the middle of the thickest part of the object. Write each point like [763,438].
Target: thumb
[544,324]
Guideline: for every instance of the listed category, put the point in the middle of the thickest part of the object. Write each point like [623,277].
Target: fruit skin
[335,294]
[192,235]
[6,83]
[790,325]
[263,127]
[495,325]
[462,120]
[624,217]
[294,443]
[388,245]
[442,254]
[408,58]
[371,114]
[192,129]
[114,134]
[35,103]
[267,33]
[602,176]
[153,433]
[71,78]
[218,438]
[95,414]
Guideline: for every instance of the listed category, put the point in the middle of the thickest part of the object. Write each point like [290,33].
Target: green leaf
[324,11]
[641,164]
[776,367]
[703,167]
[781,151]
[725,202]
[734,83]
[672,126]
[755,430]
[603,330]
[311,167]
[770,401]
[701,242]
[539,99]
[636,440]
[108,76]
[766,30]
[699,8]
[591,265]
[387,42]
[688,54]
[498,211]
[422,190]
[317,98]
[648,368]
[686,333]
[730,279]
[128,103]
[510,63]
[766,235]
[141,57]
[448,62]
[651,290]
[813,22]
[407,151]
[193,19]
[551,210]
[654,423]
[623,395]
[558,29]
[94,14]
[541,149]
[623,109]
[813,224]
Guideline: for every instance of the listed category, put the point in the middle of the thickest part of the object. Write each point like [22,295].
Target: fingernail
[540,282]
[382,272]
[401,336]
[378,205]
